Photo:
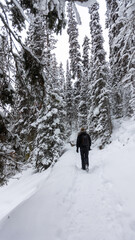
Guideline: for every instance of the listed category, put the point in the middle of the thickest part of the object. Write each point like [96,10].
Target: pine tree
[30,86]
[74,47]
[8,155]
[114,28]
[69,100]
[84,98]
[85,56]
[48,96]
[61,76]
[121,30]
[75,58]
[99,122]
[6,89]
[24,110]
[51,126]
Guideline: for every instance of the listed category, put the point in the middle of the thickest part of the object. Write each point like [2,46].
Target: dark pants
[84,157]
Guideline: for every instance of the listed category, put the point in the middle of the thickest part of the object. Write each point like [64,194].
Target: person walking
[84,143]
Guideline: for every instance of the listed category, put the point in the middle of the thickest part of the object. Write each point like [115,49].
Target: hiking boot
[83,168]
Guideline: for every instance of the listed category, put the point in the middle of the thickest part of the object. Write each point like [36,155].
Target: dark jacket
[79,141]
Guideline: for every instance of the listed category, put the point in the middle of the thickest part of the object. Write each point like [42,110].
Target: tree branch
[22,45]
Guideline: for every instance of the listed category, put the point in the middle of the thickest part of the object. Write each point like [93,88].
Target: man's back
[83,140]
[84,143]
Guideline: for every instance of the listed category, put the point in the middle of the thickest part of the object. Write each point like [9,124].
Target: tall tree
[74,47]
[30,85]
[75,57]
[122,53]
[84,98]
[48,96]
[61,76]
[85,56]
[100,119]
[69,100]
[8,155]
[51,127]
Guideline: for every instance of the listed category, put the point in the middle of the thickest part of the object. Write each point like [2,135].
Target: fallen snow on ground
[67,203]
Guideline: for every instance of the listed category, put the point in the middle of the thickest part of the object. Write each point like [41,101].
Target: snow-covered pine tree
[84,98]
[59,84]
[8,154]
[23,110]
[121,20]
[51,126]
[69,100]
[48,98]
[74,47]
[75,57]
[48,121]
[115,24]
[6,89]
[61,76]
[85,56]
[100,119]
[62,87]
[30,85]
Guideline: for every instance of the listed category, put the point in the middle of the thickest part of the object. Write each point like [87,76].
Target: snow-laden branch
[77,14]
[20,9]
[22,45]
[84,3]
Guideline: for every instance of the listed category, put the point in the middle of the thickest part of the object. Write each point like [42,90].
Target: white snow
[78,18]
[67,203]
[96,111]
[86,3]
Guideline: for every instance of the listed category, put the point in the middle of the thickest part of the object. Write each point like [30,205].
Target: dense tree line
[40,105]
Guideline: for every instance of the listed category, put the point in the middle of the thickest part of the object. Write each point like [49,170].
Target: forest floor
[68,203]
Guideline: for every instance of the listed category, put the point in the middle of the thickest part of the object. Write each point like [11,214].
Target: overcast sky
[62,44]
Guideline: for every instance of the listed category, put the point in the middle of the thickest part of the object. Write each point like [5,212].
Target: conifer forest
[41,104]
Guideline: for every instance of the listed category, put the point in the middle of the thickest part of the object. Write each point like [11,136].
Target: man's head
[83,129]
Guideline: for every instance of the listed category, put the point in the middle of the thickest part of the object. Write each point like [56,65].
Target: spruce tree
[61,76]
[51,125]
[9,158]
[69,100]
[84,97]
[85,56]
[121,31]
[100,119]
[30,85]
[75,58]
[74,47]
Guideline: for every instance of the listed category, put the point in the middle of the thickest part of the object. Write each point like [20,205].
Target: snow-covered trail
[72,204]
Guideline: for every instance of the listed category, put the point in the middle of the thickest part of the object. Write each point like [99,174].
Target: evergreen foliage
[51,125]
[48,97]
[69,100]
[84,97]
[75,59]
[99,116]
[9,157]
[121,20]
[74,47]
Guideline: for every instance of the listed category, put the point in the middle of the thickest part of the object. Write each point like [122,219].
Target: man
[84,143]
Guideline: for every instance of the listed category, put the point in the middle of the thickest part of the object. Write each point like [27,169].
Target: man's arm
[77,144]
[89,141]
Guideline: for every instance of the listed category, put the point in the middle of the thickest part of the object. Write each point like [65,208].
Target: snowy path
[72,204]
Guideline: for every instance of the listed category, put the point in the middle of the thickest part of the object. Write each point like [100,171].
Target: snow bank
[19,189]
